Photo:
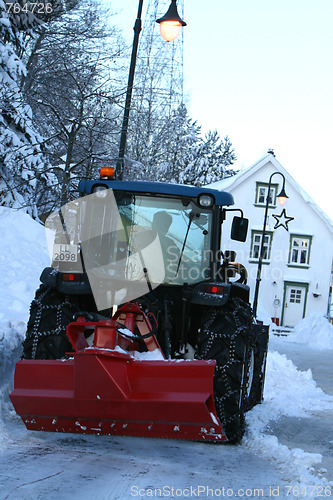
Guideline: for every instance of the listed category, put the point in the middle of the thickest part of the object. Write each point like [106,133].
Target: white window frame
[299,253]
[256,237]
[261,195]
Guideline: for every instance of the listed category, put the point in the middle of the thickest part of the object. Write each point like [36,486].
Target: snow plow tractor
[142,326]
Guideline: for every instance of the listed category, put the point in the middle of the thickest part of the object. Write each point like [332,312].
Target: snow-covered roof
[231,182]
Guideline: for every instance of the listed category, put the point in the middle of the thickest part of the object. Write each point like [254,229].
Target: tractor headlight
[101,191]
[206,200]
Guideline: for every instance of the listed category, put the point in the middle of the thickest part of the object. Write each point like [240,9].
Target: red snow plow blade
[111,388]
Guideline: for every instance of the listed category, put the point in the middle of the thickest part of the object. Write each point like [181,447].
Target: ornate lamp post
[282,198]
[170,27]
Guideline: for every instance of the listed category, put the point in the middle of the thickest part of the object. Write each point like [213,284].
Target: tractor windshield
[173,219]
[128,243]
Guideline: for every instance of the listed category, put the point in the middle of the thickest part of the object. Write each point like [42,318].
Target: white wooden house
[298,246]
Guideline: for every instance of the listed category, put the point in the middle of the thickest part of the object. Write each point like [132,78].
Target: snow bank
[11,337]
[292,393]
[23,255]
[315,331]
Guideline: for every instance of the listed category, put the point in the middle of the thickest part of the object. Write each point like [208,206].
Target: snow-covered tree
[168,154]
[211,160]
[180,153]
[73,88]
[22,161]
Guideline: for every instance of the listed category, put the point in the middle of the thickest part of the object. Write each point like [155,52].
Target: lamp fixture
[282,197]
[171,23]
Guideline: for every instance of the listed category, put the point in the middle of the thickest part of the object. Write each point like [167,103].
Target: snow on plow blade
[105,390]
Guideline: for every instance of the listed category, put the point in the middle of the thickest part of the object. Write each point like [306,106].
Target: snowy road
[54,467]
[315,434]
[269,462]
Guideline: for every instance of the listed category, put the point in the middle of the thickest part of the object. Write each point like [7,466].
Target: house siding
[278,271]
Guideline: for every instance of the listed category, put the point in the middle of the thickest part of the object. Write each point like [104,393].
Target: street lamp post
[170,26]
[282,197]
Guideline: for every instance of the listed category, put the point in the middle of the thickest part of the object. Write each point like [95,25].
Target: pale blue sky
[261,72]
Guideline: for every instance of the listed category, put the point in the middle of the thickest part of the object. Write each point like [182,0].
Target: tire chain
[59,329]
[221,370]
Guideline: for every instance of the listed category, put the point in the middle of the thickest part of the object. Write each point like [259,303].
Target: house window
[261,194]
[299,250]
[256,244]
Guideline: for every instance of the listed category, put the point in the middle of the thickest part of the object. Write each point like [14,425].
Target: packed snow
[314,331]
[289,393]
[23,254]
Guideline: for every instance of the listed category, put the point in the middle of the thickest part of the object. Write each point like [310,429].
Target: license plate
[64,253]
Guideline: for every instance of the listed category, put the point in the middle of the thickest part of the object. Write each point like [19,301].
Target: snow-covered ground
[287,451]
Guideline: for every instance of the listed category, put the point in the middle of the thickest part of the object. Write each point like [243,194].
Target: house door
[294,304]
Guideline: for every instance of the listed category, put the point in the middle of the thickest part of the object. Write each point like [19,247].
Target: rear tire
[50,313]
[228,336]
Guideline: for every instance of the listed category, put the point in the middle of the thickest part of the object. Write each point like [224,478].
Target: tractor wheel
[227,335]
[50,313]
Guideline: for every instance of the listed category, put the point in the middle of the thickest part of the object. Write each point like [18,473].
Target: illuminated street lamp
[171,23]
[170,27]
[282,198]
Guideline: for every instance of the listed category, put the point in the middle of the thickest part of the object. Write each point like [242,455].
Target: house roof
[231,182]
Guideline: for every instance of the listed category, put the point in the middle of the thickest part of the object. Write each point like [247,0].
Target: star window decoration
[282,220]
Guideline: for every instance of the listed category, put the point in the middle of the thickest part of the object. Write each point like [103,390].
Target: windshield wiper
[191,216]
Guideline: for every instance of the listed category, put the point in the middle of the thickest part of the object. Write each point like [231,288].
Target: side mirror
[239,228]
